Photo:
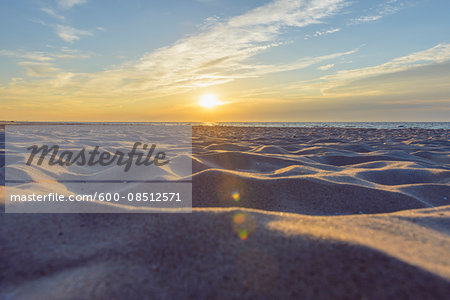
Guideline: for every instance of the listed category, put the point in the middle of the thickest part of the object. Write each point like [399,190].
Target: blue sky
[280,60]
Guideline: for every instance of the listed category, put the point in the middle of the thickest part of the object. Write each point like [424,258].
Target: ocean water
[376,125]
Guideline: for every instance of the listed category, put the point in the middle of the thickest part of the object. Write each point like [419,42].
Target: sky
[279,60]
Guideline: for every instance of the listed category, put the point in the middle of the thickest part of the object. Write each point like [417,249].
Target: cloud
[420,81]
[323,32]
[344,78]
[366,19]
[223,52]
[70,3]
[65,32]
[52,12]
[70,34]
[299,64]
[332,30]
[197,60]
[422,72]
[326,67]
[389,7]
[36,56]
[436,54]
[42,56]
[38,69]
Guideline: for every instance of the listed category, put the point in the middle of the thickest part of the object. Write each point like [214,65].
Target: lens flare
[243,224]
[243,234]
[236,196]
[239,218]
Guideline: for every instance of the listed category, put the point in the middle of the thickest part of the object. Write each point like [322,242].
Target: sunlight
[209,101]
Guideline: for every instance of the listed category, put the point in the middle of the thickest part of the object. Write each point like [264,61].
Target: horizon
[4,122]
[225,61]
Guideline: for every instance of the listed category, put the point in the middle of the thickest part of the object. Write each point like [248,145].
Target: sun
[209,101]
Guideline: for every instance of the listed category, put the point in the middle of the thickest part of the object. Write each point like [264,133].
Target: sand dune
[278,213]
[322,171]
[401,255]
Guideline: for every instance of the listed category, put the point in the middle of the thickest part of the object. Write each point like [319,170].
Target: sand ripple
[289,213]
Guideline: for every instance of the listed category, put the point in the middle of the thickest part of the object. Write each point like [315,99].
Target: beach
[296,213]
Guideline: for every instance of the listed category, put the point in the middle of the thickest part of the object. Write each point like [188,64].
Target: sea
[376,125]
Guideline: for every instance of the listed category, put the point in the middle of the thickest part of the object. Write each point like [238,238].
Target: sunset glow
[252,61]
[209,101]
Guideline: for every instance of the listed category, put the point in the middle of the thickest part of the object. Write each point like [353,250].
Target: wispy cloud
[429,67]
[196,61]
[223,52]
[70,3]
[387,8]
[322,32]
[66,33]
[51,12]
[36,56]
[38,69]
[332,30]
[366,19]
[70,34]
[43,64]
[429,81]
[436,54]
[288,13]
[296,65]
[326,67]
[345,78]
[43,56]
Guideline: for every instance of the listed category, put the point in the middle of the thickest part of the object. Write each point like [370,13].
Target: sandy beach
[295,213]
[207,149]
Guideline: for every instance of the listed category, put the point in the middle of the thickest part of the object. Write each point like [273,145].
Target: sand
[321,213]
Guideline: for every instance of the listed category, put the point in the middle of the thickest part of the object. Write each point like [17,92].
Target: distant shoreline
[363,125]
